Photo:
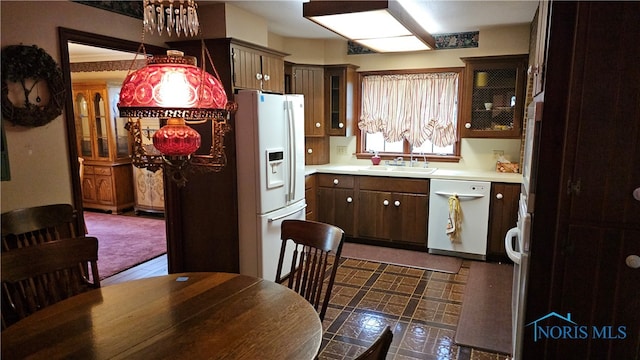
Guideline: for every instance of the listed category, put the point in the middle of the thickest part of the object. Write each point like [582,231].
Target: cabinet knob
[335,181]
[499,196]
[633,261]
[259,76]
[267,77]
[341,125]
[310,150]
[396,203]
[636,194]
[349,199]
[467,125]
[318,124]
[385,203]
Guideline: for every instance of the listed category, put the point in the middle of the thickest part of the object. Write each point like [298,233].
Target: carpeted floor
[125,241]
[415,259]
[485,318]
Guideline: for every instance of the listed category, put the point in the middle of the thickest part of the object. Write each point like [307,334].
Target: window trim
[361,152]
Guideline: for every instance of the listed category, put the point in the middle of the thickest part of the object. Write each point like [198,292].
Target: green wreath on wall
[33,90]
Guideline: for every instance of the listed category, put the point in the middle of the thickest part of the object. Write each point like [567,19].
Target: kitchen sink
[421,170]
[407,169]
[345,167]
[378,168]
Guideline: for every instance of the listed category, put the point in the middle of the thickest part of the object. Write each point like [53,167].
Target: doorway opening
[119,204]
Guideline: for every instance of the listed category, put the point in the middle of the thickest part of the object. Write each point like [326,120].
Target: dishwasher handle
[474,196]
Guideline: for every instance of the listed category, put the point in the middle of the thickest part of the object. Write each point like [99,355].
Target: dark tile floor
[421,306]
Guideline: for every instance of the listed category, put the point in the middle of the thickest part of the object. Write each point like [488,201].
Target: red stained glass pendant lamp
[175,90]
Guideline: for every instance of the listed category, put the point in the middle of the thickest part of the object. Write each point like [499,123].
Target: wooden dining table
[177,316]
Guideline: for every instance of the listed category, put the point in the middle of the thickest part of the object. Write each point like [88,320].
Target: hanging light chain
[180,16]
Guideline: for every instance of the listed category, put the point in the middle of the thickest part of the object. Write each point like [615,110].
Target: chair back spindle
[315,244]
[36,225]
[34,277]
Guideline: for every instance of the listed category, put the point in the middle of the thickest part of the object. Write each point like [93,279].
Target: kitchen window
[406,113]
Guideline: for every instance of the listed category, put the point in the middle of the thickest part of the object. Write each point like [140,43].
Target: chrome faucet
[413,161]
[399,161]
[426,163]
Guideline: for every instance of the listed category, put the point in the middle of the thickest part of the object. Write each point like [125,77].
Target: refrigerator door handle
[508,244]
[287,214]
[292,150]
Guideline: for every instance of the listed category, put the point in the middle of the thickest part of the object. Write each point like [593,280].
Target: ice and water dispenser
[275,168]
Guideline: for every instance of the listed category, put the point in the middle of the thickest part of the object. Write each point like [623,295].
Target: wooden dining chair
[37,276]
[379,349]
[36,225]
[315,245]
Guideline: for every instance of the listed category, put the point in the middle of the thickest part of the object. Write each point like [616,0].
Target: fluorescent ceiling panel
[384,26]
[363,25]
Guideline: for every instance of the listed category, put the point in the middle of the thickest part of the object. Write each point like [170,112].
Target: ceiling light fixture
[171,90]
[383,26]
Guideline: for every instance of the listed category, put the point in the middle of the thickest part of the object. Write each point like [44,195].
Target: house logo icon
[536,333]
[565,328]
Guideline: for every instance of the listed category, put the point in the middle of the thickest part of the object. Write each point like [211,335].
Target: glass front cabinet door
[493,105]
[340,94]
[83,125]
[100,131]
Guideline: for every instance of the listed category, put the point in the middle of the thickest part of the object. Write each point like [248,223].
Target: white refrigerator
[269,130]
[517,241]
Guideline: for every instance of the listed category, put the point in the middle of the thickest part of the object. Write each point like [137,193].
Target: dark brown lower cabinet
[388,211]
[336,203]
[393,210]
[503,215]
[393,217]
[310,197]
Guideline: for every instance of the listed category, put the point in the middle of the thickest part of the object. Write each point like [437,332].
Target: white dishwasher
[473,199]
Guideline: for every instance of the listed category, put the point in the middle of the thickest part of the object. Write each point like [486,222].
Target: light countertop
[420,173]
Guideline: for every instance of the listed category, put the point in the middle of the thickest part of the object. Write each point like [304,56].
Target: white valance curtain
[415,107]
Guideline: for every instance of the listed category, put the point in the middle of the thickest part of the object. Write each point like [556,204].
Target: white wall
[40,172]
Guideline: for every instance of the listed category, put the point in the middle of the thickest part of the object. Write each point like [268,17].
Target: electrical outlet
[341,150]
[497,154]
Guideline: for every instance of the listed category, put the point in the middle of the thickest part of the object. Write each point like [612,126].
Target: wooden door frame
[65,36]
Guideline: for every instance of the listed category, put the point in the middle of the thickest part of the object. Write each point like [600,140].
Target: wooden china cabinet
[103,144]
